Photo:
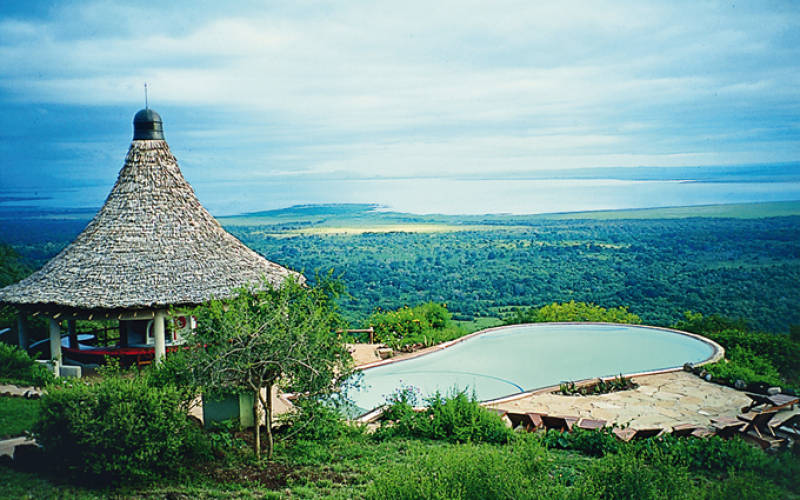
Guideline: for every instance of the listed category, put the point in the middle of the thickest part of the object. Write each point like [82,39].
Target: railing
[369,330]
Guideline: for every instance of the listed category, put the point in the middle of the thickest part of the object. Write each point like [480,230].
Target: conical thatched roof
[151,245]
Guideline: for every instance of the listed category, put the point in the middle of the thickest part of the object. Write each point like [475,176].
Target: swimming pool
[507,360]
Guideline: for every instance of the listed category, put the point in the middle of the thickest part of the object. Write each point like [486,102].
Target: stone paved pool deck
[661,400]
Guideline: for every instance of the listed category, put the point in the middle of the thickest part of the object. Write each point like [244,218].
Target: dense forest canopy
[487,265]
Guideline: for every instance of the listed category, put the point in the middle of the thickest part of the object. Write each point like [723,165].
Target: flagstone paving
[661,400]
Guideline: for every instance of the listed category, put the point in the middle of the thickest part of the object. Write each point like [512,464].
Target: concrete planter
[232,406]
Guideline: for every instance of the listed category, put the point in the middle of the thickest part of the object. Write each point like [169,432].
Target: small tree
[272,336]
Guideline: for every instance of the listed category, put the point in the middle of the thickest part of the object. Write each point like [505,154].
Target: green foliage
[267,336]
[753,356]
[658,267]
[175,370]
[456,418]
[222,438]
[744,364]
[19,368]
[710,324]
[426,324]
[596,443]
[318,421]
[470,472]
[17,416]
[572,311]
[118,428]
[618,383]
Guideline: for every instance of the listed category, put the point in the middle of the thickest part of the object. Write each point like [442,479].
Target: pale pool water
[514,359]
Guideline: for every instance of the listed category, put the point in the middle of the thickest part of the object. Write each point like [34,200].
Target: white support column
[158,334]
[55,345]
[22,333]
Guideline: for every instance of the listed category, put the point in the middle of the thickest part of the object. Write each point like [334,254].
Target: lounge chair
[771,403]
[789,426]
[649,432]
[726,427]
[589,424]
[702,432]
[529,421]
[558,422]
[628,434]
[758,422]
[682,430]
[625,434]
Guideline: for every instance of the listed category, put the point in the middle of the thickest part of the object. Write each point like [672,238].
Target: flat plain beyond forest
[739,260]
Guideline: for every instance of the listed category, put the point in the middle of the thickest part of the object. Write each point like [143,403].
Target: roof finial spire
[145,96]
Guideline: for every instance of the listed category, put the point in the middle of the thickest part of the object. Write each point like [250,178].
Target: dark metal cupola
[147,126]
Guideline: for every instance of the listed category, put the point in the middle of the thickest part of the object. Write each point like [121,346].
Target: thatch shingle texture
[151,245]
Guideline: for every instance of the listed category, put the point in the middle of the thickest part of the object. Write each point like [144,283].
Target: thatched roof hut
[152,245]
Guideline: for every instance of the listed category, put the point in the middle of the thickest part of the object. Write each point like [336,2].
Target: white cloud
[415,87]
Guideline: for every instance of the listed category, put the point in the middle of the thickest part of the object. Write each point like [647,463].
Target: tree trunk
[257,422]
[270,443]
[268,418]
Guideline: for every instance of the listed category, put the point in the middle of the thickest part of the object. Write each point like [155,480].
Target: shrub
[119,428]
[17,367]
[316,420]
[426,324]
[572,311]
[596,443]
[744,364]
[456,418]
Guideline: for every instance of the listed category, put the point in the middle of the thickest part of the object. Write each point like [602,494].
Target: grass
[364,218]
[17,416]
[389,228]
[357,466]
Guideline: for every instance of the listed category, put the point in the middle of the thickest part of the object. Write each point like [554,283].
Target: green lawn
[17,415]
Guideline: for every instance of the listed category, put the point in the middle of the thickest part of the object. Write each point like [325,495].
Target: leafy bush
[456,418]
[118,428]
[572,311]
[317,421]
[744,364]
[595,443]
[618,383]
[426,324]
[754,356]
[470,472]
[17,367]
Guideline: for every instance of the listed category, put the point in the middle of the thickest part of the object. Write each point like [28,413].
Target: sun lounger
[789,426]
[649,432]
[529,421]
[590,424]
[702,432]
[765,442]
[557,422]
[628,434]
[773,402]
[758,422]
[625,434]
[684,430]
[726,427]
[503,414]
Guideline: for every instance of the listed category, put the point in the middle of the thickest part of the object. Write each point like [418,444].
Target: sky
[307,91]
